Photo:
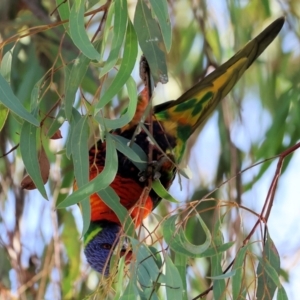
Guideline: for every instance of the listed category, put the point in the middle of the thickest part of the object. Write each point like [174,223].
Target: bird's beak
[126,250]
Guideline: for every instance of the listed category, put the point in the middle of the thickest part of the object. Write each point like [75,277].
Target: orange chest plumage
[131,197]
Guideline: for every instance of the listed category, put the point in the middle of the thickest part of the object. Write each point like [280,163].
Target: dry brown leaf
[27,183]
[57,135]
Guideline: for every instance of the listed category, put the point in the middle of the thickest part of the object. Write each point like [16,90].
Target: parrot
[170,124]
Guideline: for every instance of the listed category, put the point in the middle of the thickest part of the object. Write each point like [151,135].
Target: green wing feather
[94,229]
[181,117]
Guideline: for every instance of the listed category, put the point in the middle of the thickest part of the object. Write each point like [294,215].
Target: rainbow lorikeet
[172,124]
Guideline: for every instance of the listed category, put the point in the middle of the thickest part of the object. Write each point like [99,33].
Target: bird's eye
[106,246]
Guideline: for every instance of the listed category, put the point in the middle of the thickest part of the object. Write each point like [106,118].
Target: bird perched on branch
[163,136]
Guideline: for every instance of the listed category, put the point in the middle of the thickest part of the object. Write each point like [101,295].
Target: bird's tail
[181,117]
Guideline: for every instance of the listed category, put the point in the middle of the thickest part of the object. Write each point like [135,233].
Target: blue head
[99,242]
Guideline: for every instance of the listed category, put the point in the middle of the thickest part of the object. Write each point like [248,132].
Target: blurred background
[41,248]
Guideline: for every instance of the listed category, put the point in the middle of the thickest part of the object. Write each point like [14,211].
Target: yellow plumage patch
[181,117]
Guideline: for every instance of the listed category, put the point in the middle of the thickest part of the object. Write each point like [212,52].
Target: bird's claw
[142,177]
[149,172]
[156,175]
[153,170]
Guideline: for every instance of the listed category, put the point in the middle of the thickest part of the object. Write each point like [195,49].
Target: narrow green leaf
[63,8]
[144,278]
[281,294]
[98,183]
[148,293]
[197,249]
[119,30]
[134,153]
[107,32]
[80,155]
[238,267]
[70,238]
[8,98]
[31,73]
[73,80]
[6,265]
[266,7]
[122,145]
[149,276]
[29,152]
[180,264]
[160,8]
[223,276]
[128,62]
[162,192]
[268,271]
[131,291]
[146,262]
[57,123]
[119,279]
[126,117]
[78,31]
[215,250]
[5,70]
[75,118]
[219,286]
[156,256]
[80,151]
[35,93]
[4,111]
[174,287]
[139,156]
[5,67]
[177,240]
[112,200]
[150,41]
